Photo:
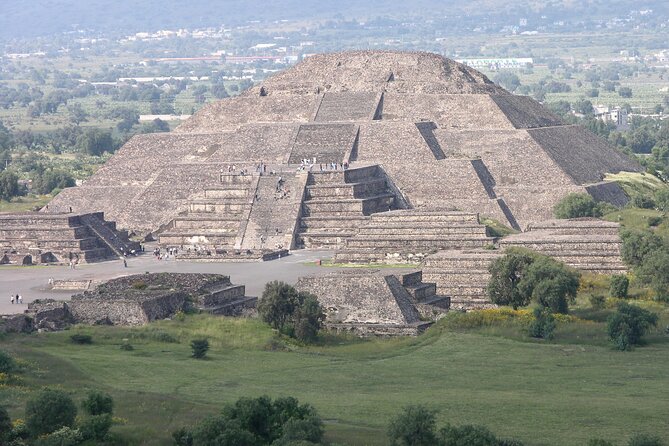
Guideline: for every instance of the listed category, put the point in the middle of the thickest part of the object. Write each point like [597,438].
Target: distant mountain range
[30,18]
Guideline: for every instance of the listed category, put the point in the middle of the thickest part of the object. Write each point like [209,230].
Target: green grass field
[559,393]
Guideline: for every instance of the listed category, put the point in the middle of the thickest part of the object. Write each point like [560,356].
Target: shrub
[662,200]
[467,435]
[49,411]
[81,339]
[550,283]
[577,205]
[182,437]
[637,245]
[308,318]
[96,427]
[127,347]
[414,426]
[597,301]
[627,326]
[5,425]
[599,442]
[65,436]
[619,286]
[543,325]
[654,221]
[645,440]
[7,364]
[200,348]
[505,274]
[98,403]
[297,314]
[163,336]
[642,202]
[655,272]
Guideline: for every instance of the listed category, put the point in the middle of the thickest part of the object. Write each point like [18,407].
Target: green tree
[619,286]
[7,363]
[467,435]
[505,274]
[5,426]
[51,179]
[550,283]
[96,427]
[199,348]
[654,271]
[9,185]
[308,318]
[95,142]
[625,92]
[49,411]
[543,325]
[277,304]
[577,205]
[645,440]
[77,114]
[508,80]
[662,199]
[65,436]
[637,245]
[414,426]
[629,324]
[98,403]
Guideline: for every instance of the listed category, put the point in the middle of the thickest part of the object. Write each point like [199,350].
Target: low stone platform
[587,244]
[60,238]
[463,275]
[373,302]
[233,255]
[408,236]
[135,300]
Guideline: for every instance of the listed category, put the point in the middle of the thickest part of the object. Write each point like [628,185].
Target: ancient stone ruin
[136,300]
[371,302]
[383,156]
[39,237]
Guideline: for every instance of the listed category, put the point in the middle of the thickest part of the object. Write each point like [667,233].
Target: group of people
[18,299]
[308,164]
[170,252]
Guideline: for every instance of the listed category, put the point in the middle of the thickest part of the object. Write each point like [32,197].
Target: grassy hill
[476,368]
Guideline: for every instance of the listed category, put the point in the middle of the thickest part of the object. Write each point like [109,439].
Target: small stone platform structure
[136,300]
[37,237]
[587,244]
[373,302]
[410,235]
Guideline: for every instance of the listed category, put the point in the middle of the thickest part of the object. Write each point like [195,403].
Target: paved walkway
[31,282]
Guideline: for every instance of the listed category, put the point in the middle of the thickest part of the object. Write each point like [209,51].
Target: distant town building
[615,115]
[498,63]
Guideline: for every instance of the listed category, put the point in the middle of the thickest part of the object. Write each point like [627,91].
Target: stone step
[421,292]
[197,238]
[412,278]
[373,231]
[429,244]
[226,194]
[49,244]
[329,241]
[231,308]
[549,246]
[44,232]
[371,187]
[194,223]
[365,206]
[424,217]
[351,175]
[338,221]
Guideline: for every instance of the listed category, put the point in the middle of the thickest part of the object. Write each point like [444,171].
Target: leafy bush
[637,245]
[619,286]
[163,336]
[7,364]
[645,440]
[597,301]
[65,436]
[81,339]
[96,427]
[127,347]
[257,421]
[49,411]
[662,200]
[655,272]
[98,403]
[629,324]
[577,205]
[467,435]
[200,348]
[642,202]
[654,221]
[5,426]
[413,426]
[297,314]
[521,276]
[543,325]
